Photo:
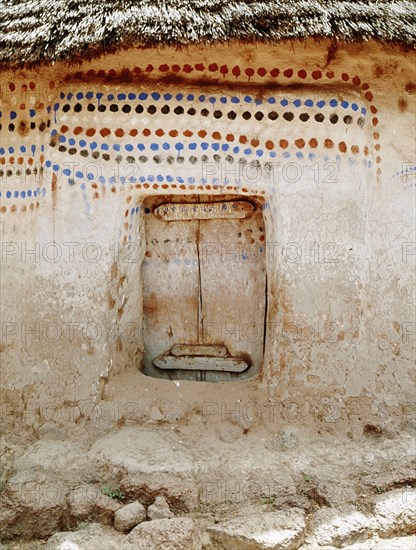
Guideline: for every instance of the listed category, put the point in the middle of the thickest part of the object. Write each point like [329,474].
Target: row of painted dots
[23,208]
[236,71]
[156,96]
[22,149]
[41,192]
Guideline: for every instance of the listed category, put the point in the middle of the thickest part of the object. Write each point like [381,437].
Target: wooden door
[204,288]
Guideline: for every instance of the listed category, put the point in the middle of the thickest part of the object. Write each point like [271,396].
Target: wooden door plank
[222,364]
[204,210]
[179,350]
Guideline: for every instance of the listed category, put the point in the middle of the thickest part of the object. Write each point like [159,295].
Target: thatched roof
[33,31]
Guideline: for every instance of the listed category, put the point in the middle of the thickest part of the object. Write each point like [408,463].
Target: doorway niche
[204,287]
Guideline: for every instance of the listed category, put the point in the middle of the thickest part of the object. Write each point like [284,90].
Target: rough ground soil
[237,486]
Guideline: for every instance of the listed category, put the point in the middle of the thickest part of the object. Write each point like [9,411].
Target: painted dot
[316,75]
[313,142]
[328,143]
[288,73]
[283,143]
[342,146]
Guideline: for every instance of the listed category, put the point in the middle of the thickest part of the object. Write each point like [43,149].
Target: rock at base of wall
[395,512]
[169,534]
[129,516]
[159,509]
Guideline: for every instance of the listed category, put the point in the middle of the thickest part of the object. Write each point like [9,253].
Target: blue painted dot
[284,102]
[35,192]
[179,97]
[167,97]
[273,154]
[70,96]
[223,100]
[23,194]
[235,99]
[333,102]
[165,146]
[155,96]
[204,145]
[104,146]
[354,106]
[89,95]
[236,150]
[259,153]
[54,132]
[23,149]
[191,179]
[32,113]
[147,210]
[137,209]
[215,146]
[311,156]
[190,97]
[101,179]
[55,167]
[48,109]
[62,95]
[110,97]
[131,96]
[129,147]
[13,115]
[201,98]
[48,163]
[320,104]
[93,145]
[1,151]
[179,179]
[112,179]
[159,177]
[154,146]
[299,155]
[62,139]
[116,147]
[80,95]
[192,146]
[179,146]
[82,143]
[121,97]
[364,111]
[11,149]
[140,147]
[286,154]
[225,147]
[247,151]
[71,141]
[248,99]
[99,95]
[344,104]
[8,194]
[29,193]
[271,100]
[297,103]
[82,186]
[170,178]
[151,178]
[56,107]
[79,174]
[212,100]
[309,103]
[66,172]
[90,176]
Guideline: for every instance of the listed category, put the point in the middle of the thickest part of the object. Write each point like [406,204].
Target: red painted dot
[300,143]
[236,71]
[354,149]
[223,69]
[284,144]
[101,73]
[313,142]
[373,109]
[342,146]
[375,121]
[216,135]
[159,132]
[51,84]
[78,130]
[104,132]
[274,72]
[330,74]
[328,143]
[137,70]
[149,68]
[187,68]
[369,96]
[202,133]
[91,72]
[119,132]
[90,132]
[288,73]
[269,145]
[229,137]
[302,73]
[316,75]
[133,132]
[173,133]
[365,86]
[176,68]
[249,72]
[163,68]
[345,77]
[112,73]
[213,67]
[261,71]
[254,142]
[356,80]
[243,139]
[188,133]
[199,67]
[146,132]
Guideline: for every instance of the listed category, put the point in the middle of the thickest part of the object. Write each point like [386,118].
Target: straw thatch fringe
[35,31]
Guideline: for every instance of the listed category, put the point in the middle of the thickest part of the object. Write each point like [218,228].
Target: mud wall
[323,138]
